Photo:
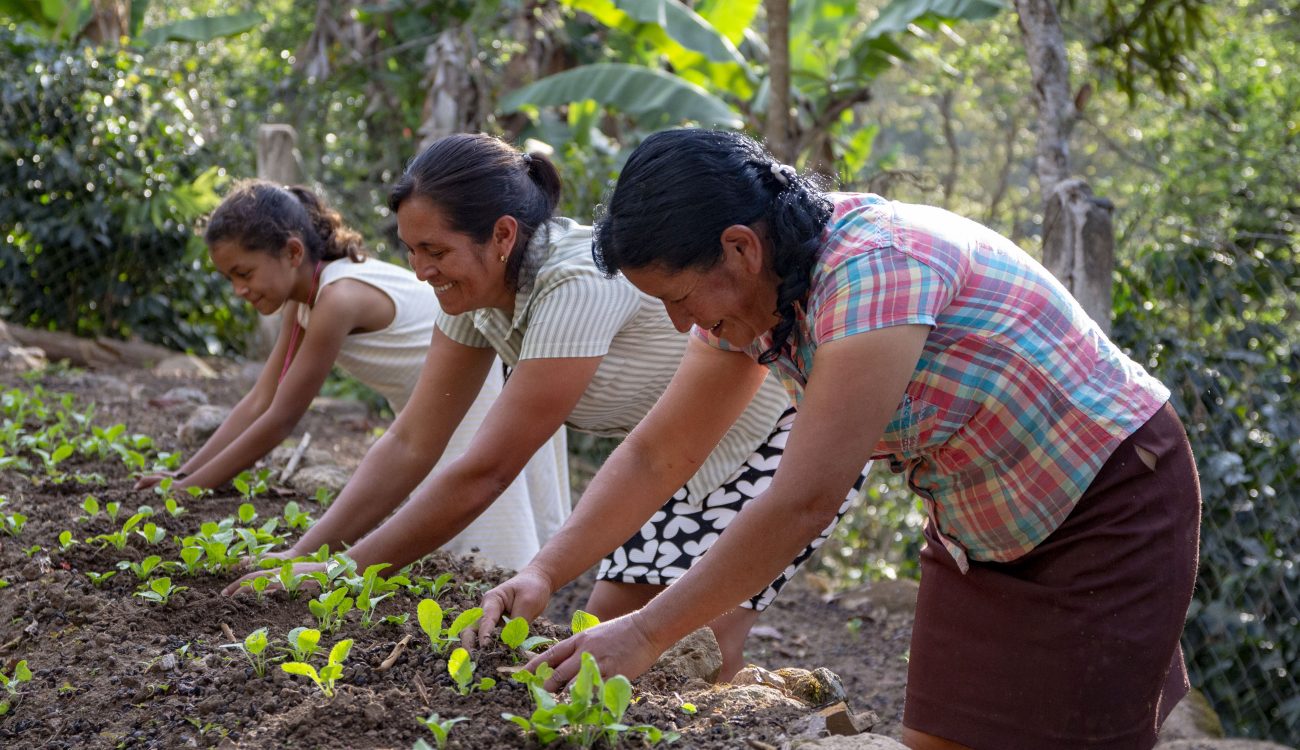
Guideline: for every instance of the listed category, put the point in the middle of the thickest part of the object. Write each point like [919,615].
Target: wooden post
[1079,246]
[278,161]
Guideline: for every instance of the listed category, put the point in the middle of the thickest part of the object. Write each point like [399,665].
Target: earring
[503,258]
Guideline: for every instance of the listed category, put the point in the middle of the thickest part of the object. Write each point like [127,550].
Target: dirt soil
[111,670]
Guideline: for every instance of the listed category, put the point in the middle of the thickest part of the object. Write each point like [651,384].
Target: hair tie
[528,159]
[779,172]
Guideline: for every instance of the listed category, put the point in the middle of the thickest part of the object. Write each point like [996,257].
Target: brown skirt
[1074,644]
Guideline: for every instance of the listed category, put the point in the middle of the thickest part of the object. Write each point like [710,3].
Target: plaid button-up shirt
[1018,398]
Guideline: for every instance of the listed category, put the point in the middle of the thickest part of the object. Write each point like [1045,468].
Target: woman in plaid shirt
[1062,497]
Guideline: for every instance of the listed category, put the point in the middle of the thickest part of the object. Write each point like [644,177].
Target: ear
[504,232]
[741,244]
[296,251]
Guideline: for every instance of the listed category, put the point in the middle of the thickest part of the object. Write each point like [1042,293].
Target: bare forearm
[755,548]
[241,417]
[627,490]
[264,434]
[390,470]
[457,495]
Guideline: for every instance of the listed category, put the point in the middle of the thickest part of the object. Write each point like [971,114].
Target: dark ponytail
[262,216]
[476,179]
[681,188]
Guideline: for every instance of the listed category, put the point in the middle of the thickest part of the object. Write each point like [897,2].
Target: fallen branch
[387,663]
[292,465]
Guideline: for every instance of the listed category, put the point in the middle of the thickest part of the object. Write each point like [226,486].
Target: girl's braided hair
[260,215]
[681,188]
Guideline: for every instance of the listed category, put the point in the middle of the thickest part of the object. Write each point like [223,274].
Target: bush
[102,175]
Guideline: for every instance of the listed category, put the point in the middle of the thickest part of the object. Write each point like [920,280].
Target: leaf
[429,614]
[631,89]
[899,14]
[297,667]
[459,666]
[617,696]
[466,618]
[340,652]
[582,621]
[685,26]
[201,29]
[515,631]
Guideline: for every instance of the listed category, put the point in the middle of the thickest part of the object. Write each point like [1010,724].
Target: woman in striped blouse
[588,351]
[1063,501]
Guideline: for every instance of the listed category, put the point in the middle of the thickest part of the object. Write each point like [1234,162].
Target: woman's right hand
[525,595]
[250,565]
[153,480]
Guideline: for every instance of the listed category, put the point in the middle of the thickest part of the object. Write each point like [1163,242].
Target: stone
[184,365]
[1192,718]
[342,409]
[310,457]
[180,396]
[849,742]
[17,358]
[696,655]
[200,425]
[374,713]
[840,719]
[308,480]
[745,698]
[816,688]
[756,675]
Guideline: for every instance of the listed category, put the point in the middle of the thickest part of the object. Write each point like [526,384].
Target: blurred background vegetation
[122,122]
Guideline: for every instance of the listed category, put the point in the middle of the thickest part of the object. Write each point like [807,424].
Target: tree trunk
[278,161]
[777,131]
[1078,233]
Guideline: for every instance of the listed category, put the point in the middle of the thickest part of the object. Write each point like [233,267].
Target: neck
[304,283]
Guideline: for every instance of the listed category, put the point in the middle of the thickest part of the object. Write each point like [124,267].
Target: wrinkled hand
[237,587]
[620,646]
[525,595]
[250,565]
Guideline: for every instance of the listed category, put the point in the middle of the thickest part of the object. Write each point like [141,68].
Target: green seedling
[582,621]
[152,533]
[436,586]
[160,590]
[247,513]
[174,509]
[440,727]
[323,497]
[303,642]
[119,538]
[367,599]
[112,508]
[4,583]
[66,540]
[198,492]
[12,523]
[430,616]
[11,683]
[461,670]
[330,608]
[143,568]
[593,713]
[295,517]
[190,560]
[398,620]
[328,674]
[98,579]
[251,485]
[52,459]
[254,647]
[515,636]
[91,506]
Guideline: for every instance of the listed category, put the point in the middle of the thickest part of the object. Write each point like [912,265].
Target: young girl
[1062,496]
[282,248]
[592,352]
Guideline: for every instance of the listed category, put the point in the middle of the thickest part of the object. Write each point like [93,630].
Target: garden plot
[113,631]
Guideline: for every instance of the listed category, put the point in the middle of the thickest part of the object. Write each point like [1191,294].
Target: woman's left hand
[620,646]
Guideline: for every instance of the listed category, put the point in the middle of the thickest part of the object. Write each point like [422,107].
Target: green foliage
[329,674]
[582,621]
[11,684]
[430,616]
[254,648]
[160,590]
[103,170]
[594,711]
[461,670]
[440,727]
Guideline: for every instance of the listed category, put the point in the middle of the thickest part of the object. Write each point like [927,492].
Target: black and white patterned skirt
[679,534]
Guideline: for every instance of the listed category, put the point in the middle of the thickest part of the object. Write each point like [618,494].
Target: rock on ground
[200,425]
[309,479]
[850,742]
[1221,744]
[696,655]
[1192,719]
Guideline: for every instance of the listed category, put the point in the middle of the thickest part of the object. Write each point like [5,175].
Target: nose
[681,319]
[424,270]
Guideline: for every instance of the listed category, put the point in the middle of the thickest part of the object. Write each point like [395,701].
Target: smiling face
[466,275]
[733,300]
[264,280]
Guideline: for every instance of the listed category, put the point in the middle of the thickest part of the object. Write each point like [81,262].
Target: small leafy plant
[143,568]
[302,643]
[98,579]
[515,636]
[461,670]
[439,727]
[328,674]
[254,647]
[330,608]
[160,590]
[11,683]
[430,616]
